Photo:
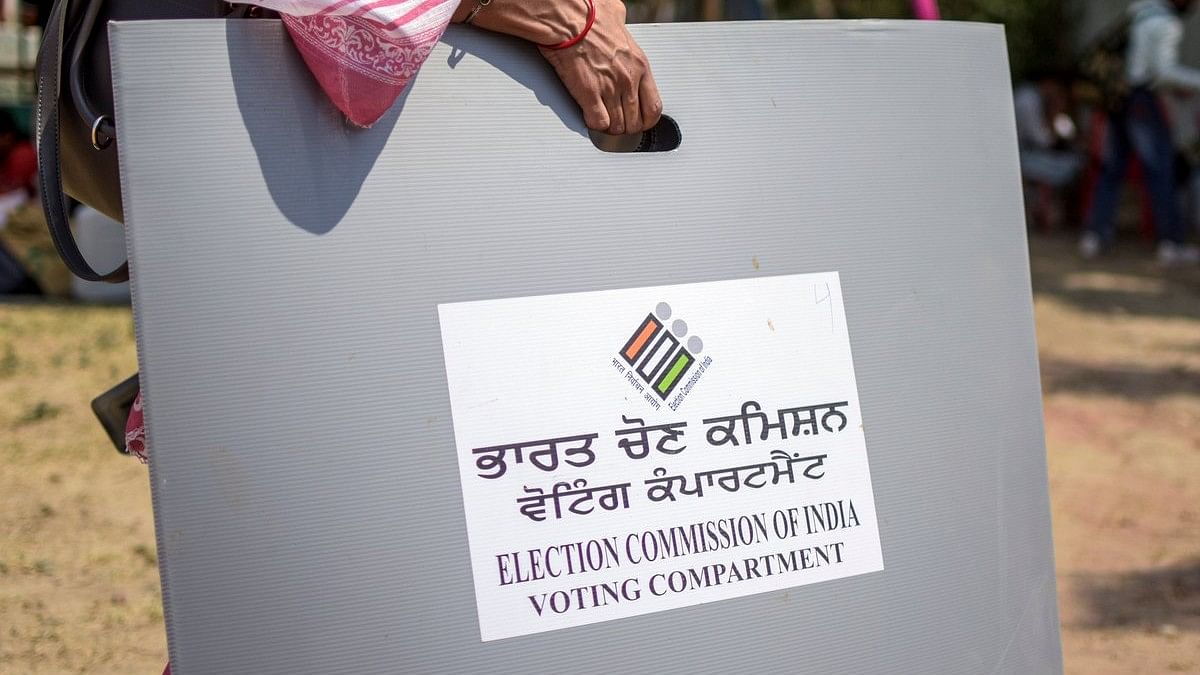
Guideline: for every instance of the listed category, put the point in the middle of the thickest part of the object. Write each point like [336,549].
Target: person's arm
[1167,34]
[606,72]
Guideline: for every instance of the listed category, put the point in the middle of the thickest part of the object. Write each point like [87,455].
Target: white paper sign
[633,451]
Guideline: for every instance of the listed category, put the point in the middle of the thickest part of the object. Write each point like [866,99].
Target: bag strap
[54,201]
[103,131]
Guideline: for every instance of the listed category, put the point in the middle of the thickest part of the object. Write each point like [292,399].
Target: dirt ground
[1119,341]
[1120,349]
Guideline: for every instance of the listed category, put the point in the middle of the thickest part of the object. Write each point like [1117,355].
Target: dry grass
[78,575]
[1120,347]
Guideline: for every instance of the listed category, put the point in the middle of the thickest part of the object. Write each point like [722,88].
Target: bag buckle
[100,139]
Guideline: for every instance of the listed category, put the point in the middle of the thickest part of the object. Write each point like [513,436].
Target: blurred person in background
[29,264]
[18,162]
[1046,136]
[1185,125]
[1139,124]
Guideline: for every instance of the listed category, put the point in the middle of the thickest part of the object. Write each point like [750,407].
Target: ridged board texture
[287,270]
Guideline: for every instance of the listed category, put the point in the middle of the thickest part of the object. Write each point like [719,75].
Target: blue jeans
[1141,127]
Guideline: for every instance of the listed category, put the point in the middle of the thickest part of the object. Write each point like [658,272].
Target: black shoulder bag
[76,133]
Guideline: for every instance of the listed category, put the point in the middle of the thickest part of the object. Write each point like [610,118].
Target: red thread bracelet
[571,42]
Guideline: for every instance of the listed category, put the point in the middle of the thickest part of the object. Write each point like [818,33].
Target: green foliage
[1039,31]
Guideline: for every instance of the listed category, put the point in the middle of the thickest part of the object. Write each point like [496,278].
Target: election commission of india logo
[662,356]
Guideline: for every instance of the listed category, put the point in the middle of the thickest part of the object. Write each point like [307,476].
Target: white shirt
[1032,130]
[1153,56]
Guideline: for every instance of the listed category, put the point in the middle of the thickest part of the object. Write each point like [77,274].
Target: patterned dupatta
[364,52]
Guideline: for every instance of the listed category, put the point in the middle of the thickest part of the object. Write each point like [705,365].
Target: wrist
[537,21]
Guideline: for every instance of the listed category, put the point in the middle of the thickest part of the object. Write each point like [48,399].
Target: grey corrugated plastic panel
[287,272]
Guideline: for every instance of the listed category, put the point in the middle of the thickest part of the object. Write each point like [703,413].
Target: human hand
[606,72]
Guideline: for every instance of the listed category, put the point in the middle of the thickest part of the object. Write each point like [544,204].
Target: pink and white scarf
[364,52]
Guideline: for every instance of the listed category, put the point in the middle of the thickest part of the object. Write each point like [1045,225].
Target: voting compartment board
[462,393]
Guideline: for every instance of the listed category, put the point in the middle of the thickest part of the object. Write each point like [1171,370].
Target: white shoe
[1089,245]
[1189,254]
[1169,253]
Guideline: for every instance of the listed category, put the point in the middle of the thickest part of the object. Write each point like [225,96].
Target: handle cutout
[664,137]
